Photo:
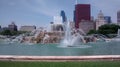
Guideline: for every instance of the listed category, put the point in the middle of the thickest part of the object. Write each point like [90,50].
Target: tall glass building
[64,18]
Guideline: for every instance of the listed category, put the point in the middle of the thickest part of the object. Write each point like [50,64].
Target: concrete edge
[60,58]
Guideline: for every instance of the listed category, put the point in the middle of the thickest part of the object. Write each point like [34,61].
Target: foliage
[6,32]
[92,32]
[108,29]
[11,33]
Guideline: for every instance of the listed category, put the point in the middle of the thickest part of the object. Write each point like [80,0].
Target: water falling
[72,37]
[118,33]
[118,37]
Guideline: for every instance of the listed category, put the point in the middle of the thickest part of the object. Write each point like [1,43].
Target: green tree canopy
[6,32]
[108,29]
[92,32]
[11,33]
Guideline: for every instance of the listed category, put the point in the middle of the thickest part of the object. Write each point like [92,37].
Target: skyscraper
[64,18]
[108,19]
[82,12]
[118,17]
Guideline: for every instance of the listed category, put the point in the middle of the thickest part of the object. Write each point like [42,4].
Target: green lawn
[61,64]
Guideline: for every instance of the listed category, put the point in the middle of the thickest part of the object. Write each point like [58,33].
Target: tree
[92,32]
[108,29]
[6,32]
[11,33]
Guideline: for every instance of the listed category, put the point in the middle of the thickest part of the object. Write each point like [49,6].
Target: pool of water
[98,48]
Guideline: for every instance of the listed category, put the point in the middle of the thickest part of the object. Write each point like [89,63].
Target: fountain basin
[59,58]
[88,49]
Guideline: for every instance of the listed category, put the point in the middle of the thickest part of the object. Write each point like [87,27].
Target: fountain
[72,44]
[18,39]
[118,33]
[72,37]
[117,39]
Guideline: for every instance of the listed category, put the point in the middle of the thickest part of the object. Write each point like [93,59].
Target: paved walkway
[60,58]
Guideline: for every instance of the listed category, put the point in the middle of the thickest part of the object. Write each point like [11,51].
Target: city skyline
[41,12]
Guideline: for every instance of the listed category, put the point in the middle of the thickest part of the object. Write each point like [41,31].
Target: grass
[60,64]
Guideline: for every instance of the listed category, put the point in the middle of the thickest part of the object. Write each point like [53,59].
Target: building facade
[82,12]
[57,20]
[57,24]
[118,17]
[108,19]
[64,18]
[12,27]
[27,28]
[57,27]
[100,20]
[86,26]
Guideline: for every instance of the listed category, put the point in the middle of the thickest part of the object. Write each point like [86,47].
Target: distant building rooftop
[27,28]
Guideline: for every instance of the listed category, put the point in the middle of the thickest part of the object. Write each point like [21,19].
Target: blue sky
[41,12]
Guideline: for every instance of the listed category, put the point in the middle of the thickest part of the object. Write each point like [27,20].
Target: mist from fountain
[118,37]
[72,37]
